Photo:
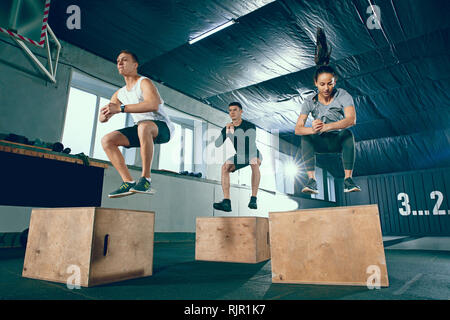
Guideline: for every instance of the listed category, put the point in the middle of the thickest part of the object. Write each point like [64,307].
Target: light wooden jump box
[89,246]
[340,245]
[232,239]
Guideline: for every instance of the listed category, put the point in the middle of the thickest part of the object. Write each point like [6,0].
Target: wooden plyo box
[232,239]
[96,245]
[340,246]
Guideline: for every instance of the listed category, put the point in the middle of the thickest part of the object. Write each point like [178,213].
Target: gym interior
[58,68]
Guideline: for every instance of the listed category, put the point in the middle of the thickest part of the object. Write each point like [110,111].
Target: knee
[306,141]
[108,141]
[347,137]
[346,133]
[146,129]
[226,168]
[255,163]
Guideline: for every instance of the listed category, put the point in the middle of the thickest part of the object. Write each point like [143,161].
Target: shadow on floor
[280,291]
[12,253]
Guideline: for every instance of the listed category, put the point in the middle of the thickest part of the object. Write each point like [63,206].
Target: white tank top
[135,96]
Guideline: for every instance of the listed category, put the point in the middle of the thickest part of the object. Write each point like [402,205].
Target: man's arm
[221,138]
[151,102]
[104,114]
[347,122]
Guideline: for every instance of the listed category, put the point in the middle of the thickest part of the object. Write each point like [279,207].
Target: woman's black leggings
[329,142]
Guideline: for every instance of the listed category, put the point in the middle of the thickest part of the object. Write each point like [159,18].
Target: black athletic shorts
[241,161]
[132,134]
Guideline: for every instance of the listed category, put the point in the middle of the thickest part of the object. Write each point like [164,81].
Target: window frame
[184,124]
[105,87]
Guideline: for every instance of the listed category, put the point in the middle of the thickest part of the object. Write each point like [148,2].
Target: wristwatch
[122,108]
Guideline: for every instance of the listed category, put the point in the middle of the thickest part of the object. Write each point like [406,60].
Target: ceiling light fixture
[207,34]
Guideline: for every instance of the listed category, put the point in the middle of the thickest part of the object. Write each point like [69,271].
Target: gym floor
[418,269]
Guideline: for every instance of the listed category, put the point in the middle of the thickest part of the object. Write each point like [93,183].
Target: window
[179,153]
[319,179]
[267,170]
[286,173]
[118,121]
[82,130]
[331,190]
[188,149]
[170,152]
[80,117]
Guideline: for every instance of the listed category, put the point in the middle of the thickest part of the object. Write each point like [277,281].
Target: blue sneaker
[311,187]
[224,205]
[350,186]
[252,204]
[143,186]
[124,190]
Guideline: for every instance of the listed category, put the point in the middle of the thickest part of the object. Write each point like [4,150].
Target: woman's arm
[347,122]
[301,130]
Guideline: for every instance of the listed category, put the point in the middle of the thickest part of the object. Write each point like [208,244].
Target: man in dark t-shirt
[243,135]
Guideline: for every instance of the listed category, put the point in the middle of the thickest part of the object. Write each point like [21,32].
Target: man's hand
[317,126]
[103,118]
[230,128]
[110,109]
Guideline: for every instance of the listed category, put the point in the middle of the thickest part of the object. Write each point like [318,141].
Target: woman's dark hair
[322,55]
[324,69]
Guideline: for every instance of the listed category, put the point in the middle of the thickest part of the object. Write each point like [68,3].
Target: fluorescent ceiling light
[206,34]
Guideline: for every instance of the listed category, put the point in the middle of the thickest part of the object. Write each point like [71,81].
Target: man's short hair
[235,104]
[135,58]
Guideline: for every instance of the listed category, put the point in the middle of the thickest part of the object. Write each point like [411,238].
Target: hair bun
[322,54]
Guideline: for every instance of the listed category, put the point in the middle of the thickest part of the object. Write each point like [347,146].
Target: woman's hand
[317,126]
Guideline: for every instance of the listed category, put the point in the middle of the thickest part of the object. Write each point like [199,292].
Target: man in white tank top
[141,99]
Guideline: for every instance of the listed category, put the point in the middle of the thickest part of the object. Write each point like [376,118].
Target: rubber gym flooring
[418,269]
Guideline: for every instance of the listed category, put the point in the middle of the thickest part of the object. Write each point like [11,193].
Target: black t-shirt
[243,138]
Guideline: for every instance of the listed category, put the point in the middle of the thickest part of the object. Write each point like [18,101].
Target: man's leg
[255,163]
[227,168]
[225,204]
[147,132]
[111,143]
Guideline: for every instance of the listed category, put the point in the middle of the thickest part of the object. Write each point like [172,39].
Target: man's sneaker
[143,186]
[252,204]
[310,187]
[124,190]
[350,186]
[224,205]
